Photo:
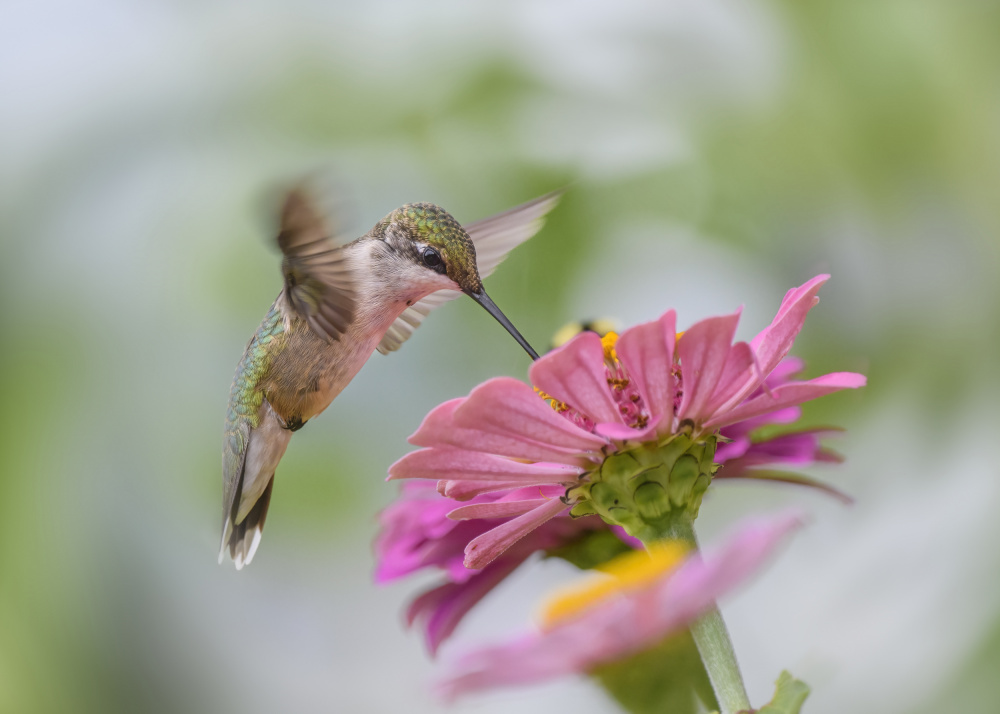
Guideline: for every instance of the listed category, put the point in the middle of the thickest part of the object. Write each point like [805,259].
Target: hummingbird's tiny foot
[293,424]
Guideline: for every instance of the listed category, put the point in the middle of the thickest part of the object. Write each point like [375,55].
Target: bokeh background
[717,153]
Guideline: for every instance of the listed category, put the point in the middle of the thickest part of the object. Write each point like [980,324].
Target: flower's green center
[627,573]
[648,487]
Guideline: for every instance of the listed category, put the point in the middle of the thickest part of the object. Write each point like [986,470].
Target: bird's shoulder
[264,347]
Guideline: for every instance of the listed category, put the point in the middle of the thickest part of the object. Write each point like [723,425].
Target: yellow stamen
[553,402]
[626,573]
[609,341]
[677,337]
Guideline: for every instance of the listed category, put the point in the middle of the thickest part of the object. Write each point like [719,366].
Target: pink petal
[703,352]
[464,490]
[444,607]
[729,450]
[575,374]
[451,464]
[497,509]
[440,427]
[740,376]
[774,342]
[797,448]
[789,395]
[620,432]
[786,369]
[509,408]
[699,582]
[482,550]
[781,416]
[647,353]
[624,625]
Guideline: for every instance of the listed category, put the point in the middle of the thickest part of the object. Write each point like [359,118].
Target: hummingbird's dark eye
[432,259]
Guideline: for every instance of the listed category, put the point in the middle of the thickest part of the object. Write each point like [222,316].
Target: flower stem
[709,631]
[716,650]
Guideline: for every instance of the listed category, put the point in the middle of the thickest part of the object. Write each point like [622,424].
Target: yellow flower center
[626,573]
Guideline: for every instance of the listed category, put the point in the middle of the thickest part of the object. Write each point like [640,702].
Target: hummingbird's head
[441,256]
[433,240]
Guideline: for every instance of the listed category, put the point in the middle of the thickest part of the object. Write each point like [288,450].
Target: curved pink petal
[775,340]
[740,376]
[497,509]
[443,607]
[729,450]
[507,407]
[575,374]
[789,395]
[798,448]
[440,428]
[702,580]
[620,432]
[647,352]
[703,352]
[463,490]
[781,416]
[451,464]
[482,550]
[622,626]
[785,371]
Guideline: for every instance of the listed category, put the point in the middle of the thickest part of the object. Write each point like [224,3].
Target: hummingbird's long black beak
[483,299]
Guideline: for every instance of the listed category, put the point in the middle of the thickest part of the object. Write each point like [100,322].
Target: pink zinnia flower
[626,429]
[617,618]
[417,533]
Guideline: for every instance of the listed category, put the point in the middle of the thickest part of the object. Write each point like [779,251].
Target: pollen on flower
[626,573]
[553,402]
[624,391]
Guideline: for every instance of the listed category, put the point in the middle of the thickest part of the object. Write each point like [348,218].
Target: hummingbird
[341,301]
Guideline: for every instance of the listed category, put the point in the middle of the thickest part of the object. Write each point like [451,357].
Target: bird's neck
[387,285]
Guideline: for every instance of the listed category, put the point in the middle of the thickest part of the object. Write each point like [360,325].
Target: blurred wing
[497,235]
[494,238]
[318,278]
[400,330]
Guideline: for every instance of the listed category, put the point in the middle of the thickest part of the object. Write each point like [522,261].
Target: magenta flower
[612,621]
[626,428]
[417,533]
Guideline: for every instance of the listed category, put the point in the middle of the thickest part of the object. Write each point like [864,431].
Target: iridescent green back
[245,397]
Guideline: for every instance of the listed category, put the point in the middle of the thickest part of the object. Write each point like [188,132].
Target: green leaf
[789,695]
[668,678]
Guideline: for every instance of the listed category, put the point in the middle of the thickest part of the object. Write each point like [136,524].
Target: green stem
[716,650]
[709,631]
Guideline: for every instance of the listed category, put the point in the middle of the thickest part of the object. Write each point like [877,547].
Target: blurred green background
[717,153]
